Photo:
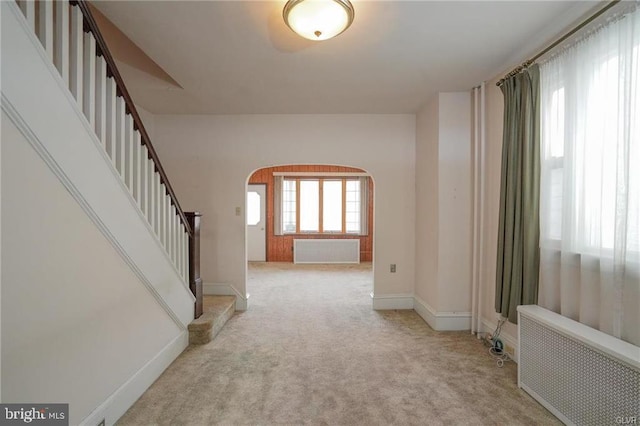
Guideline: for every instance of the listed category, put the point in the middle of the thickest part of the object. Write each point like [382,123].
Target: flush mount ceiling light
[318,19]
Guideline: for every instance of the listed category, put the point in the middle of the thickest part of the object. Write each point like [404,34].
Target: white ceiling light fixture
[318,19]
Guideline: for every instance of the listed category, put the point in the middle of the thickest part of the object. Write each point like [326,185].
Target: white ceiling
[238,57]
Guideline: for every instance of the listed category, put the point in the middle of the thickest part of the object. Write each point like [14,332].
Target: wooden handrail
[195,281]
[102,49]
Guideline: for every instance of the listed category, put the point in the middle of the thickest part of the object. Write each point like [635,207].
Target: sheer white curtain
[590,180]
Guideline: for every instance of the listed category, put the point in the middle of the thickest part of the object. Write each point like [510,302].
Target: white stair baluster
[30,13]
[45,26]
[121,116]
[111,120]
[158,207]
[185,247]
[62,40]
[163,212]
[137,152]
[160,201]
[75,54]
[101,101]
[173,235]
[89,79]
[169,229]
[179,246]
[185,254]
[128,156]
[144,177]
[167,221]
[167,226]
[174,238]
[151,201]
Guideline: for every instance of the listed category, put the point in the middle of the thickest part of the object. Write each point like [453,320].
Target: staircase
[217,310]
[76,142]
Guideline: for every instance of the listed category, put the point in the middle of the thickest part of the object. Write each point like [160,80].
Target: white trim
[392,301]
[442,321]
[224,289]
[322,174]
[425,310]
[123,398]
[488,326]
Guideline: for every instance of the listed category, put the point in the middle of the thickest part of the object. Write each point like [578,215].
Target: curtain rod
[580,26]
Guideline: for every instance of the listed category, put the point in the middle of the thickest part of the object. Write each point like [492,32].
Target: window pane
[309,206]
[553,165]
[353,206]
[555,205]
[332,206]
[555,136]
[253,208]
[289,206]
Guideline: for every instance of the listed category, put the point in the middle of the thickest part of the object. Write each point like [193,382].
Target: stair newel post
[195,282]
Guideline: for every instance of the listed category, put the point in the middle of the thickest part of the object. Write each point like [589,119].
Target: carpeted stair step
[216,312]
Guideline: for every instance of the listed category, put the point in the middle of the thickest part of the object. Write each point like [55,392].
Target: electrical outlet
[393,268]
[510,351]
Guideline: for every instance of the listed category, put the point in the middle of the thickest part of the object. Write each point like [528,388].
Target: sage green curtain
[519,225]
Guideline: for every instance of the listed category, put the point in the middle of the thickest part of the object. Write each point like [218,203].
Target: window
[289,206]
[323,205]
[590,179]
[309,206]
[253,208]
[332,208]
[589,132]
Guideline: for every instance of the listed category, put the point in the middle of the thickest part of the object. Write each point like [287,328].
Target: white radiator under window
[581,375]
[326,251]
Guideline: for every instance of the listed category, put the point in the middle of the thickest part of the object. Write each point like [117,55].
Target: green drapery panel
[519,226]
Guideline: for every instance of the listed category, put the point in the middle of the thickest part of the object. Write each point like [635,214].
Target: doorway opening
[310,219]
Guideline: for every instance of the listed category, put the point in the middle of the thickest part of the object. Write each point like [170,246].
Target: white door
[256,223]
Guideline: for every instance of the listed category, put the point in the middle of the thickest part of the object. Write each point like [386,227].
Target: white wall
[427,194]
[455,203]
[76,321]
[209,159]
[444,211]
[148,121]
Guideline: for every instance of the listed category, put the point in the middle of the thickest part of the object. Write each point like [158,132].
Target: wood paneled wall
[280,247]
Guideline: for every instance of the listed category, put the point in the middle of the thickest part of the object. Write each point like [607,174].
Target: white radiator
[581,375]
[326,251]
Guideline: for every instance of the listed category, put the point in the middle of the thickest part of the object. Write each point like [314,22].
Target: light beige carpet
[310,350]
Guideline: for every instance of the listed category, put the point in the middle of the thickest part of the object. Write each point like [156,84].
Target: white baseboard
[123,398]
[489,326]
[392,301]
[222,289]
[442,321]
[425,311]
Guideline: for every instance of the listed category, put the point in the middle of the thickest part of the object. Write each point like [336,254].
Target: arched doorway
[321,210]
